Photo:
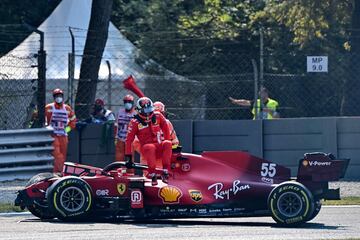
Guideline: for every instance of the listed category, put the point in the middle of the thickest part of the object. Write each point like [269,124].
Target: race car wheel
[70,198]
[316,209]
[40,208]
[291,203]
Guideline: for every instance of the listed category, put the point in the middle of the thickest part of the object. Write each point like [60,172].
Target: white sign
[317,64]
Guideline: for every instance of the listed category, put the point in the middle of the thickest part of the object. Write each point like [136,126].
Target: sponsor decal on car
[305,163]
[167,210]
[320,164]
[121,188]
[239,209]
[136,199]
[185,167]
[214,210]
[221,193]
[227,209]
[202,210]
[267,180]
[102,192]
[195,195]
[182,210]
[170,194]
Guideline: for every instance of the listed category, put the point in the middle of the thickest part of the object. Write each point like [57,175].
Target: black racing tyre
[70,198]
[316,209]
[40,208]
[291,204]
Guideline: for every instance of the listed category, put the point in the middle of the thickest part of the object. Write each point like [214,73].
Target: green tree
[94,47]
[152,27]
[351,97]
[295,25]
[13,13]
[293,30]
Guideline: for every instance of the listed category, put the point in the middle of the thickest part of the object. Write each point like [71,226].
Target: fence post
[109,84]
[41,97]
[261,71]
[71,69]
[256,78]
[261,65]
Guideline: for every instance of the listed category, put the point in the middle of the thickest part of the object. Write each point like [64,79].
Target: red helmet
[128,98]
[57,91]
[99,102]
[159,107]
[145,106]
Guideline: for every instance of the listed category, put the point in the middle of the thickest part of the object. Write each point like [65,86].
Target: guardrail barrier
[25,152]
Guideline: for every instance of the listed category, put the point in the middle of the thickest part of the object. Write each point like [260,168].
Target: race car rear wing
[321,167]
[317,169]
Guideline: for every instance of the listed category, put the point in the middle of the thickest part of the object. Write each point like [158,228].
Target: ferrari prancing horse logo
[121,188]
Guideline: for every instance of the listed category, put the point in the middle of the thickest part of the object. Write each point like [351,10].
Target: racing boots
[165,176]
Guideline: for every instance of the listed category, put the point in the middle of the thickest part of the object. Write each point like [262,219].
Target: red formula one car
[213,184]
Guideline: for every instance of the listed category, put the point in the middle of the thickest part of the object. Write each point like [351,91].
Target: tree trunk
[351,99]
[94,47]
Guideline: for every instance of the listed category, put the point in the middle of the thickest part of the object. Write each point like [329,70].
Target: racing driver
[153,133]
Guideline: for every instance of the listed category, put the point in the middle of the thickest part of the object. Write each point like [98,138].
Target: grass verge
[343,201]
[9,207]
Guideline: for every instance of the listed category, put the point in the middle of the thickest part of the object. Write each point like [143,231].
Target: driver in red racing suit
[153,133]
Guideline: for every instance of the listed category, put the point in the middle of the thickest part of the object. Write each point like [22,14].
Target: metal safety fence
[193,84]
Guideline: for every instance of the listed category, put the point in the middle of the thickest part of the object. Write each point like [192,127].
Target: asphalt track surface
[341,222]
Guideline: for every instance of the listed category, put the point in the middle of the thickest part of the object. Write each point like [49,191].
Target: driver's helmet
[145,106]
[159,107]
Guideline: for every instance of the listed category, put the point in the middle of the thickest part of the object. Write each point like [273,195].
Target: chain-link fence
[17,96]
[194,86]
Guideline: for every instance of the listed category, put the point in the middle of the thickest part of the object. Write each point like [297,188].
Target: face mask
[98,108]
[59,100]
[128,106]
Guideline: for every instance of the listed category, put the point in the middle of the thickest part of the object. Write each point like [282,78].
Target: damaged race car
[213,184]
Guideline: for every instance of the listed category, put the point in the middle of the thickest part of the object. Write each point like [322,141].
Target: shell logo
[170,194]
[305,163]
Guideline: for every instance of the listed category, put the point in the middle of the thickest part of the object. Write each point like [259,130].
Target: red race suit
[154,138]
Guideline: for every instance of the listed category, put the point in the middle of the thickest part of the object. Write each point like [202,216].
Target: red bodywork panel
[214,177]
